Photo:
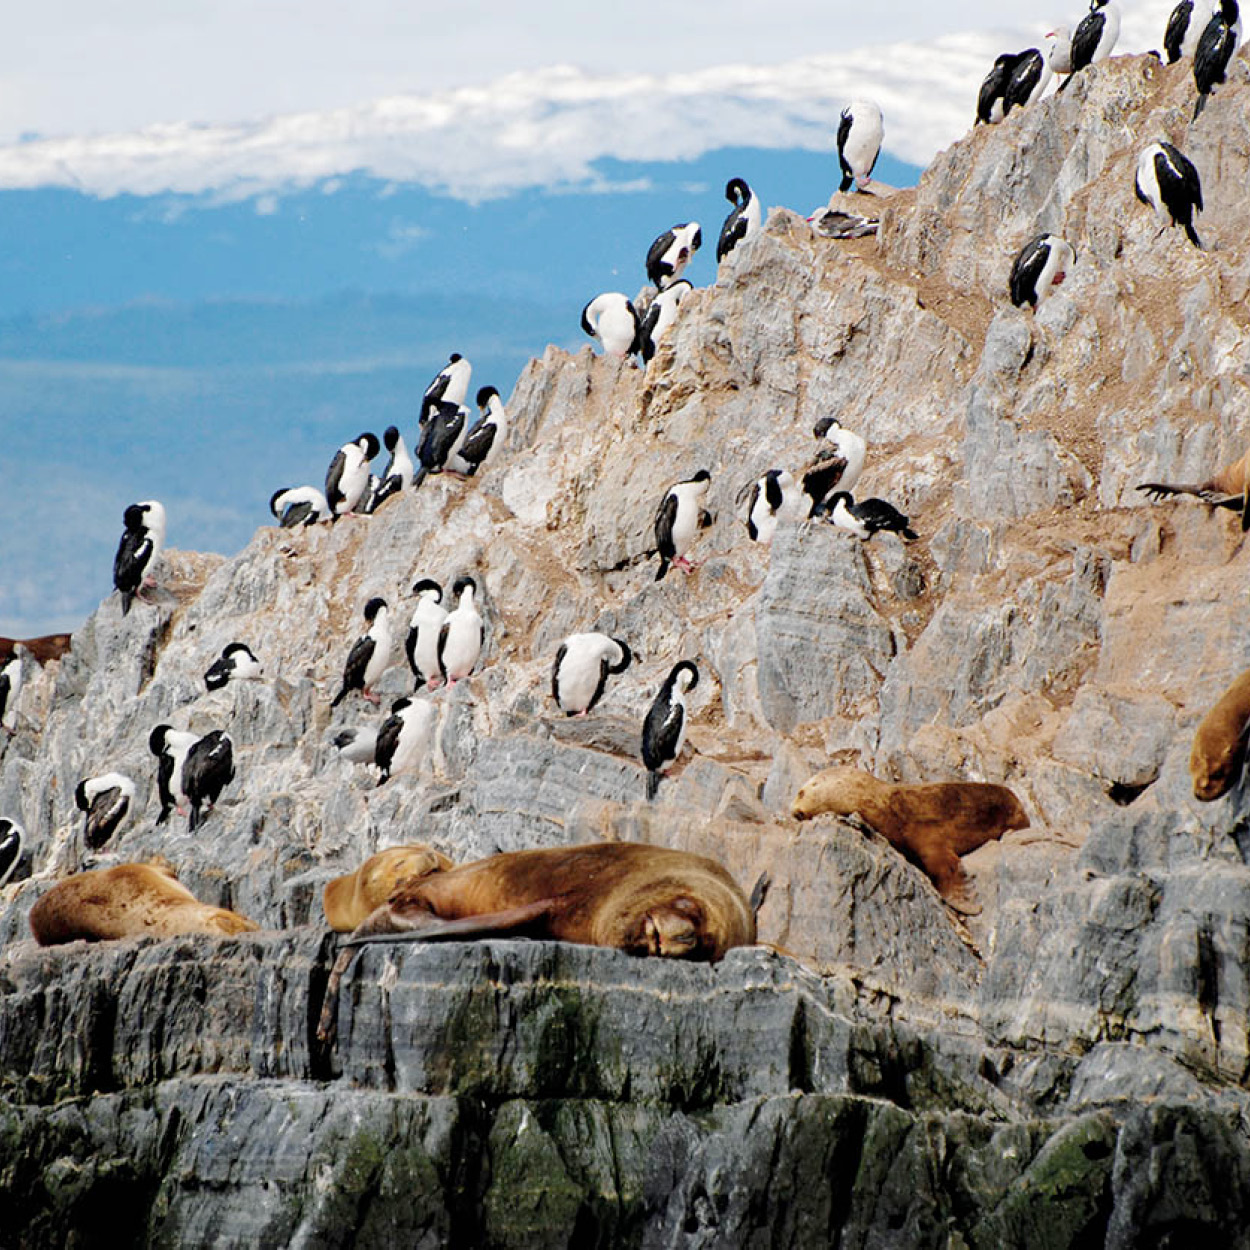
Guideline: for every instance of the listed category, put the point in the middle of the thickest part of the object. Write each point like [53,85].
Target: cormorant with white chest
[743,222]
[347,478]
[12,836]
[370,654]
[613,320]
[583,664]
[1185,27]
[170,746]
[482,443]
[1216,45]
[1167,181]
[421,645]
[10,688]
[405,737]
[450,385]
[107,800]
[860,132]
[661,313]
[678,520]
[1095,36]
[1041,265]
[669,255]
[775,497]
[299,505]
[236,663]
[141,542]
[442,436]
[836,465]
[462,634]
[398,474]
[664,729]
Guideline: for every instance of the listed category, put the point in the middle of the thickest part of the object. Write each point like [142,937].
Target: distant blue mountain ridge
[206,353]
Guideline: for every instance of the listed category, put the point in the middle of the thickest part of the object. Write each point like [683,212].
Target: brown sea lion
[932,825]
[1228,488]
[42,649]
[131,900]
[645,900]
[1219,750]
[349,900]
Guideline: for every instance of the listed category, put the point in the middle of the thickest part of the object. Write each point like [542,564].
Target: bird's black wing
[752,531]
[388,743]
[878,514]
[297,514]
[354,670]
[5,688]
[334,478]
[133,553]
[10,850]
[555,673]
[1085,40]
[773,492]
[665,518]
[825,473]
[844,130]
[476,447]
[645,340]
[410,650]
[218,673]
[439,436]
[732,232]
[443,633]
[1179,188]
[604,669]
[1178,24]
[1024,77]
[657,267]
[994,85]
[164,776]
[107,811]
[1212,53]
[1026,270]
[660,732]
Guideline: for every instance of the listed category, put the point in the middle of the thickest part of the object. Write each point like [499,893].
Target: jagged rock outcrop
[1068,1068]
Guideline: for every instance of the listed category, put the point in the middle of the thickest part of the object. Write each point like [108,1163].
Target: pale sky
[82,67]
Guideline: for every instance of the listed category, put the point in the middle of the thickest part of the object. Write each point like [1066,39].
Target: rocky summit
[1066,1068]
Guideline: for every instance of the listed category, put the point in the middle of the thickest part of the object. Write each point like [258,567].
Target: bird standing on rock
[106,799]
[868,517]
[836,466]
[347,478]
[12,836]
[404,738]
[664,730]
[775,497]
[207,771]
[141,542]
[483,441]
[661,313]
[1095,36]
[669,255]
[1167,181]
[442,436]
[421,645]
[370,654]
[613,320]
[583,664]
[449,385]
[1215,49]
[678,521]
[398,474]
[462,634]
[859,142]
[743,222]
[1041,265]
[1185,27]
[299,505]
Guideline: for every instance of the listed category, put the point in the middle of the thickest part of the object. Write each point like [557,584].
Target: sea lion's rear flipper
[943,868]
[430,928]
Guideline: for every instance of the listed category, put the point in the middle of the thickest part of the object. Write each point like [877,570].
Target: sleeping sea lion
[349,900]
[1219,750]
[131,900]
[932,825]
[645,900]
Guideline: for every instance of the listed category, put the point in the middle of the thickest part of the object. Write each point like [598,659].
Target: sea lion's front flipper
[429,928]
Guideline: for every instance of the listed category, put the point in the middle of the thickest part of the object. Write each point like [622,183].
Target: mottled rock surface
[1068,1068]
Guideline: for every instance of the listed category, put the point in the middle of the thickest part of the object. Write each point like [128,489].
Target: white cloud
[545,127]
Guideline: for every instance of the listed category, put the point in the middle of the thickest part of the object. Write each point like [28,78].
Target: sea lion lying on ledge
[932,825]
[131,900]
[646,900]
[1219,751]
[349,900]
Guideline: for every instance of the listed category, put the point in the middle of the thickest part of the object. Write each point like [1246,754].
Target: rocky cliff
[1068,1068]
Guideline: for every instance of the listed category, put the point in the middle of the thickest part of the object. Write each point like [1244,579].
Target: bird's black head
[461,584]
[134,516]
[689,670]
[273,499]
[737,192]
[156,739]
[373,607]
[399,705]
[823,426]
[485,395]
[80,796]
[702,476]
[428,584]
[235,647]
[626,659]
[390,437]
[368,443]
[454,357]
